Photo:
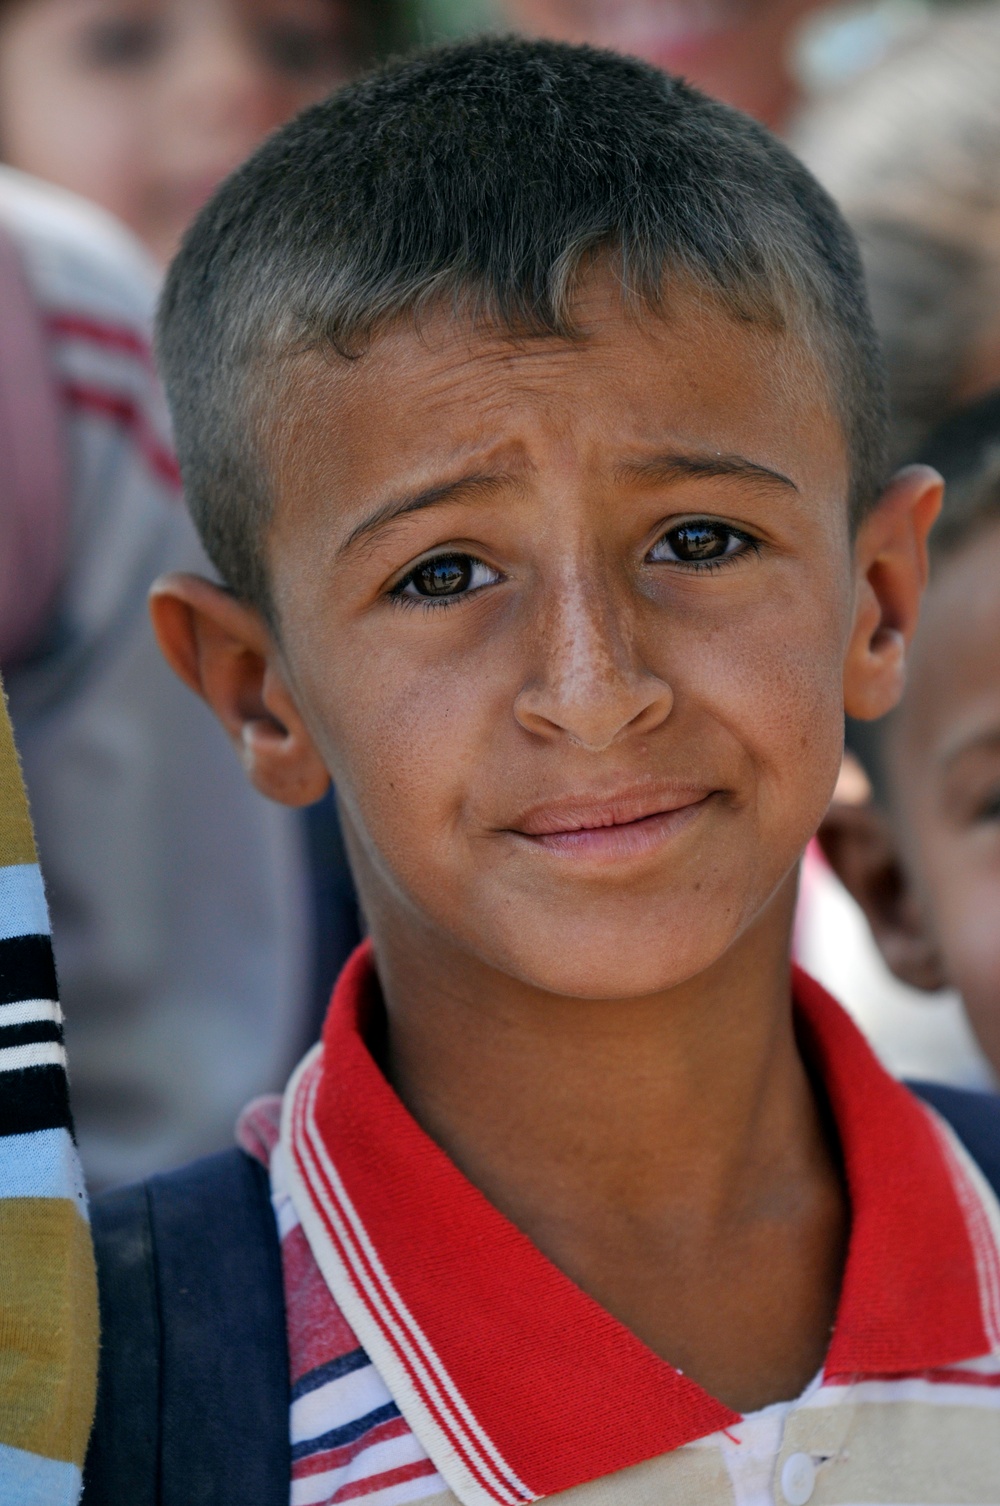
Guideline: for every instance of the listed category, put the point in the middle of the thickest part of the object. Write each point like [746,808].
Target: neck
[695,1096]
[667,1153]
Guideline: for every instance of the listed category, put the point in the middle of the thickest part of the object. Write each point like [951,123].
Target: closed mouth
[615,827]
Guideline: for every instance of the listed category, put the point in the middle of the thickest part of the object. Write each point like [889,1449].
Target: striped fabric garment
[48,1301]
[349,1439]
[138,805]
[105,372]
[436,1354]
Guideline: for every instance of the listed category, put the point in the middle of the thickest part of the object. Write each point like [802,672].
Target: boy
[922,858]
[528,403]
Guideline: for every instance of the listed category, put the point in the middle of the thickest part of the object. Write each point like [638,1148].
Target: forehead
[426,400]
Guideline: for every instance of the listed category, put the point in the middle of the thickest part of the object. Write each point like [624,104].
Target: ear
[225,652]
[858,843]
[891,564]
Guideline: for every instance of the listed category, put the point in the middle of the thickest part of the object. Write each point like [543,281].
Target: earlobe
[891,566]
[224,651]
[858,843]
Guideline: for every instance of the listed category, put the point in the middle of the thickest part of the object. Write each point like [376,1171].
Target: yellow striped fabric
[48,1295]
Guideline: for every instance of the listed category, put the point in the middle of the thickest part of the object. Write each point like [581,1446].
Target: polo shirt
[436,1354]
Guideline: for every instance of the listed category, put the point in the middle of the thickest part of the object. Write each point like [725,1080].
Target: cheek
[406,743]
[964,890]
[774,679]
[284,99]
[77,133]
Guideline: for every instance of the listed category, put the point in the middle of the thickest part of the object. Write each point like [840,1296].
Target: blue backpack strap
[975,1118]
[122,1460]
[193,1394]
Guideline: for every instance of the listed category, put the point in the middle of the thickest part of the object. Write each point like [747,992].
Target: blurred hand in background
[145,105]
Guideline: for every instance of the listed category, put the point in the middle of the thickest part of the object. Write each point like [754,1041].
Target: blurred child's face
[944,754]
[737,50]
[568,625]
[145,105]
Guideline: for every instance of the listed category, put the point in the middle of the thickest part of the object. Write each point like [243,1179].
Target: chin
[613,962]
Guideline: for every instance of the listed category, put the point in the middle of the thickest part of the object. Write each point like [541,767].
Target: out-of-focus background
[766,56]
[142,105]
[197,930]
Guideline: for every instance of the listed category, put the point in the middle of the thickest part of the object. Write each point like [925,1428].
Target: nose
[588,681]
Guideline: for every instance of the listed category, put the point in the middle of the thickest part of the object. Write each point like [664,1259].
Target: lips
[561,817]
[627,825]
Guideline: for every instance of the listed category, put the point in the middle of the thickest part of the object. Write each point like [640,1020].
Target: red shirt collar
[517,1382]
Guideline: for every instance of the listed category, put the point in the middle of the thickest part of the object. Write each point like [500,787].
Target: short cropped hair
[490,174]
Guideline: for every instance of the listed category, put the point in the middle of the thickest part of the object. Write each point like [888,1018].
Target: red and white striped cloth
[436,1352]
[177,1010]
[349,1438]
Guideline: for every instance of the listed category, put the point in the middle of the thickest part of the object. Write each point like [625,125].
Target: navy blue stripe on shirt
[34,1098]
[349,1433]
[344,1364]
[30,1033]
[27,969]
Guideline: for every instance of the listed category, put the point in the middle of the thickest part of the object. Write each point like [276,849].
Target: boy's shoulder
[975,1118]
[196,1253]
[193,1390]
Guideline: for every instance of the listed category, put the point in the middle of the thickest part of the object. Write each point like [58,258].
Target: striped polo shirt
[436,1354]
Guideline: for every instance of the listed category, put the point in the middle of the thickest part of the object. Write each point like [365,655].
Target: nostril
[596,713]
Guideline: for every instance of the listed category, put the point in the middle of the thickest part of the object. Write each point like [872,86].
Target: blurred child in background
[912,154]
[741,51]
[144,106]
[179,899]
[922,857]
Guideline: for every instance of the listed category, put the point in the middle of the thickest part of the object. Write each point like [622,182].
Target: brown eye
[122,44]
[989,809]
[303,51]
[446,575]
[700,542]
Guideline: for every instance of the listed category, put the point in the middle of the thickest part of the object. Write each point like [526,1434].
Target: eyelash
[399,597]
[988,810]
[747,545]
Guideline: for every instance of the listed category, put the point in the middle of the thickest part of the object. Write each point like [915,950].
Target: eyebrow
[679,466]
[477,483]
[985,741]
[667,468]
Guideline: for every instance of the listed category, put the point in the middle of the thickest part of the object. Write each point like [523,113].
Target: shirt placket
[815,1439]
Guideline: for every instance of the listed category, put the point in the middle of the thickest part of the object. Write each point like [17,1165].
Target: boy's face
[567,623]
[944,755]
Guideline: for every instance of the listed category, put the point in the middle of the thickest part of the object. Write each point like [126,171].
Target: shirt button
[798,1479]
